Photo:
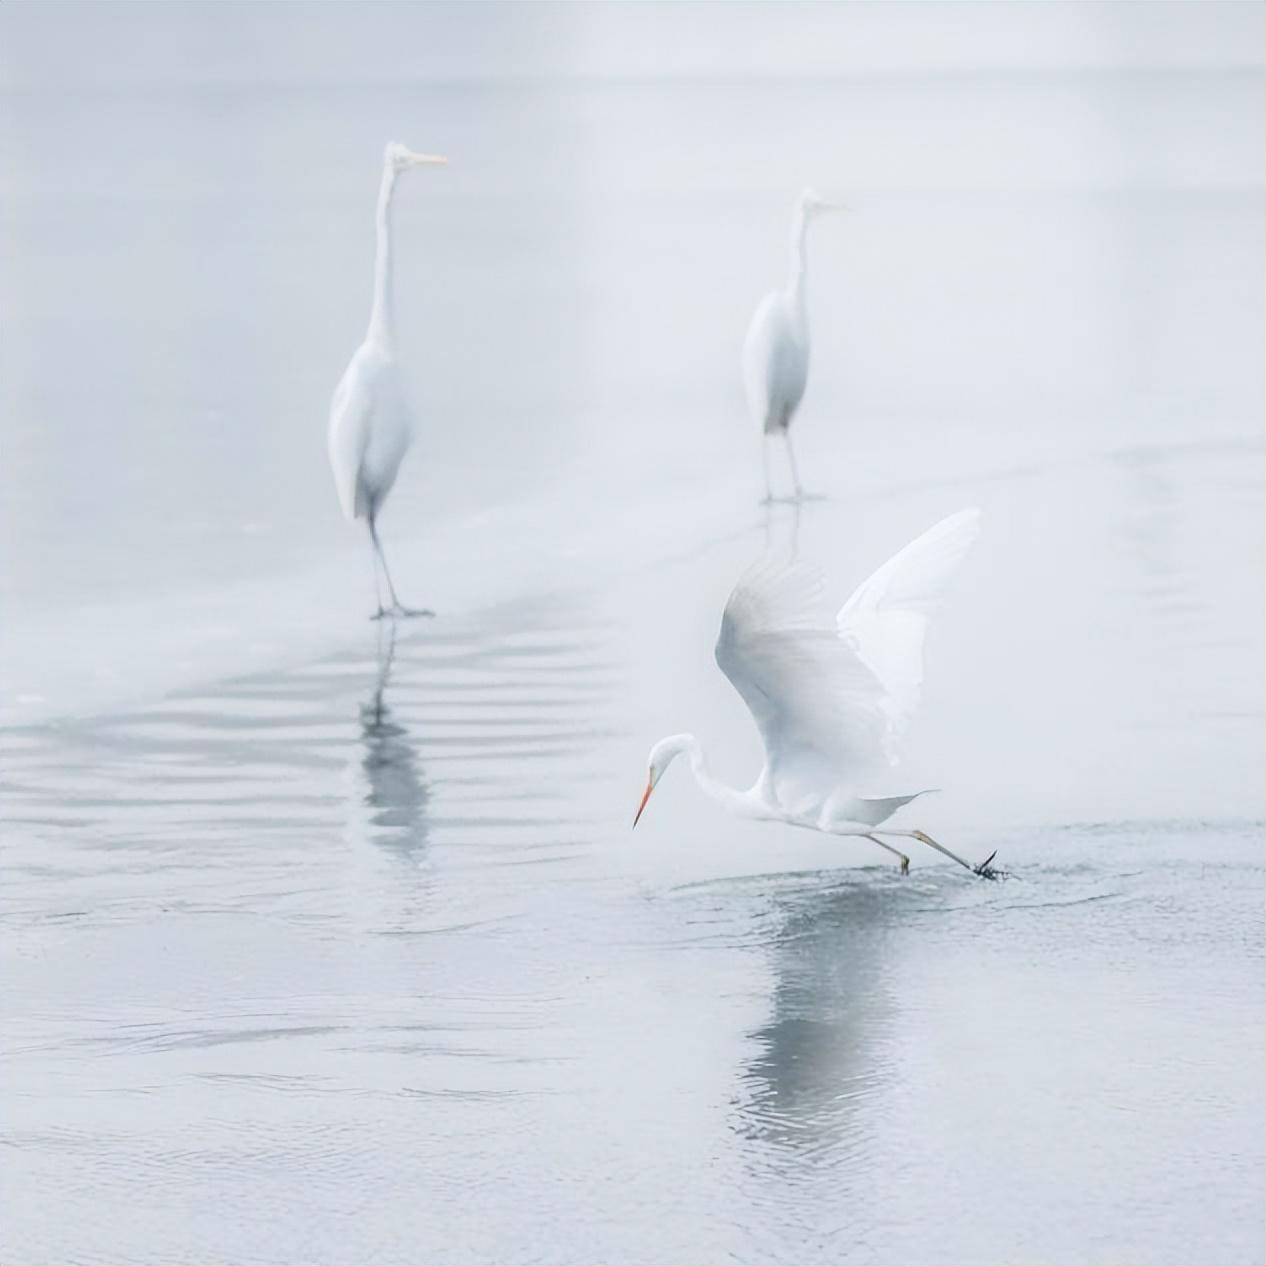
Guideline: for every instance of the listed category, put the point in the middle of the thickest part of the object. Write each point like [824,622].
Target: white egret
[370,419]
[831,701]
[776,351]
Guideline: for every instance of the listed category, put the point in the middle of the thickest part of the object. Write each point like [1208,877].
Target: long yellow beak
[646,795]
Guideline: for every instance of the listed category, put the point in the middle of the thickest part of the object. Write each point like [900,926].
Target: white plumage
[831,698]
[776,350]
[371,425]
[370,430]
[885,621]
[776,361]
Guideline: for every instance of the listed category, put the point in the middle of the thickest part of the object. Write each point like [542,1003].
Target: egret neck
[744,803]
[799,262]
[383,318]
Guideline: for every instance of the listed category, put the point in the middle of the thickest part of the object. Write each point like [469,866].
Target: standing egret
[370,420]
[831,701]
[776,351]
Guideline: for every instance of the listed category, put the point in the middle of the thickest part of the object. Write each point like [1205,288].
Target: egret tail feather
[872,810]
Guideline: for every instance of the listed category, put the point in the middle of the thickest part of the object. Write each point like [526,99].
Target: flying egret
[776,351]
[831,701]
[370,420]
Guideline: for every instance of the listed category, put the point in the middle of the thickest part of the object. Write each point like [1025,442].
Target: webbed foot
[986,871]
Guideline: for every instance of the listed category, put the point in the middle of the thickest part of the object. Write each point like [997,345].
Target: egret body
[831,699]
[371,425]
[776,351]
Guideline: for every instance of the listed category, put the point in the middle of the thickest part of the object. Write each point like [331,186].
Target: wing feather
[775,363]
[350,413]
[885,621]
[832,701]
[813,699]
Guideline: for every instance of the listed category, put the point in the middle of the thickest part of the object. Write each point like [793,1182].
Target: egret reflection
[396,793]
[782,527]
[815,1064]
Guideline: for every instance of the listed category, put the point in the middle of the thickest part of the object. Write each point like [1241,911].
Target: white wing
[831,702]
[351,412]
[775,362]
[886,619]
[816,703]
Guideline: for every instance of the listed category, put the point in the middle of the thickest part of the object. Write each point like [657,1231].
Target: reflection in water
[818,1056]
[782,527]
[396,792]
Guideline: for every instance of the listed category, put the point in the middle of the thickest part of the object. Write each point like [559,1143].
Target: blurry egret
[831,701]
[370,420]
[776,351]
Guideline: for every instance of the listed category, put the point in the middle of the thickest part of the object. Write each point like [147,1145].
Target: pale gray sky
[131,42]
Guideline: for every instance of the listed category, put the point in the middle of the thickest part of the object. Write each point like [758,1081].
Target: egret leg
[791,458]
[905,861]
[984,870]
[764,455]
[397,608]
[381,611]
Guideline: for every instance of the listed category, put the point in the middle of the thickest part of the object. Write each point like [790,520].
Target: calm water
[324,942]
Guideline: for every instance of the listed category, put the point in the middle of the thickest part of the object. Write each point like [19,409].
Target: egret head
[400,157]
[814,203]
[662,755]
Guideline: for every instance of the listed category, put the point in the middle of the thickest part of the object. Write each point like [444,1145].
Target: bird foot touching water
[397,612]
[986,871]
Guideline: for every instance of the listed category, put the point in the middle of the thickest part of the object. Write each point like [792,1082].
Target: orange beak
[646,795]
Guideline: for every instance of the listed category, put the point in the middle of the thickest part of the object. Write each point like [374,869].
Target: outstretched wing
[832,702]
[885,621]
[816,703]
